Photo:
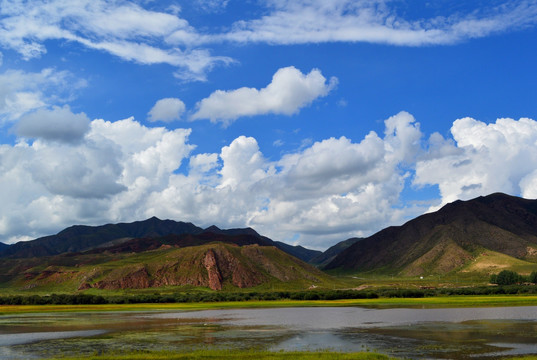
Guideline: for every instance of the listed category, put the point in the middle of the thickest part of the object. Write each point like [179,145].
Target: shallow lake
[453,333]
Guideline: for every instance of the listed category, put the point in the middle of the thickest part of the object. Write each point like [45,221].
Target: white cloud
[243,163]
[328,191]
[106,176]
[289,91]
[167,109]
[134,32]
[123,171]
[123,29]
[211,5]
[483,158]
[374,21]
[22,92]
[58,124]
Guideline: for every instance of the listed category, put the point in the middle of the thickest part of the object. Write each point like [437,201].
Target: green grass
[429,302]
[488,261]
[233,354]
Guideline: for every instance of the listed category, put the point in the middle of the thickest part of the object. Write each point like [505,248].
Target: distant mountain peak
[213,228]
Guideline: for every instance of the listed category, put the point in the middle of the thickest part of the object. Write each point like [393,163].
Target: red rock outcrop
[137,279]
[215,278]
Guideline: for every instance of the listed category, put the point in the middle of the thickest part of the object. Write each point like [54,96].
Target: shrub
[507,277]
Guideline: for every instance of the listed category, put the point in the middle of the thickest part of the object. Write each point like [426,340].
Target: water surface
[473,333]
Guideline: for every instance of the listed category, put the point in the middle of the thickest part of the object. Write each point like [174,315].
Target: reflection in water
[423,333]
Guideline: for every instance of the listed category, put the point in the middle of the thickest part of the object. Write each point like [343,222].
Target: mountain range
[80,238]
[481,235]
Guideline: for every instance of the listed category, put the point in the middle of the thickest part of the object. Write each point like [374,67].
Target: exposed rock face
[215,278]
[84,286]
[136,279]
[210,266]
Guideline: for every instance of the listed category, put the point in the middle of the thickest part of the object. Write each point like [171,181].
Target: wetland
[432,333]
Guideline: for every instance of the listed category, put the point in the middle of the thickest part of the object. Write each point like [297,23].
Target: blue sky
[310,121]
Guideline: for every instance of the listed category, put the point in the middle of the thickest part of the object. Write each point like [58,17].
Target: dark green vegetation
[220,297]
[508,277]
[231,354]
[479,236]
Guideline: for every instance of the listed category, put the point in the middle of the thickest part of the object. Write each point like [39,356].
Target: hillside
[215,261]
[450,239]
[329,254]
[80,238]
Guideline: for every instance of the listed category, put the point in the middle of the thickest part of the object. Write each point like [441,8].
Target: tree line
[76,299]
[508,277]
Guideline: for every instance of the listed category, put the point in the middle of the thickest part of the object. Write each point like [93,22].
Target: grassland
[238,355]
[428,302]
[248,355]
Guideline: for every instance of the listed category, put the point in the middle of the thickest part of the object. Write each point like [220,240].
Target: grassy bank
[426,302]
[239,355]
[248,355]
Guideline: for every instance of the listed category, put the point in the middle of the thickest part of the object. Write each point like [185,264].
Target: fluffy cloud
[122,171]
[289,91]
[481,159]
[49,185]
[167,109]
[58,124]
[325,192]
[316,21]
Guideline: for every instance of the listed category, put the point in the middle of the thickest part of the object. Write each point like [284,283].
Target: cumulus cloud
[289,91]
[481,159]
[58,124]
[166,110]
[325,192]
[106,176]
[378,21]
[122,171]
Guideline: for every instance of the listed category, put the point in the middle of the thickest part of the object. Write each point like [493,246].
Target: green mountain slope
[215,265]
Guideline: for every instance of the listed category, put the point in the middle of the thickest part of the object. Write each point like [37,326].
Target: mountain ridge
[449,238]
[80,238]
[213,260]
